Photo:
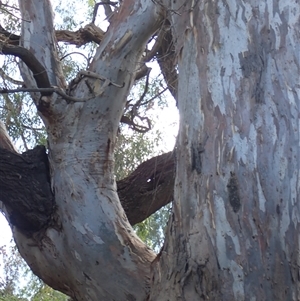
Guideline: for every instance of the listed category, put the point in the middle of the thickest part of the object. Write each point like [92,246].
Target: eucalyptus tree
[233,67]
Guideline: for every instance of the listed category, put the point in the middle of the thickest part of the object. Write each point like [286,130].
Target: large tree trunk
[235,225]
[89,250]
[234,231]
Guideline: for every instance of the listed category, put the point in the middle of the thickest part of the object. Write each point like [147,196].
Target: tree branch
[61,92]
[37,69]
[92,33]
[89,33]
[47,91]
[107,8]
[38,37]
[148,188]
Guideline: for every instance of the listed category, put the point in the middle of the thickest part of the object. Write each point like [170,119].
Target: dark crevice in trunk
[25,188]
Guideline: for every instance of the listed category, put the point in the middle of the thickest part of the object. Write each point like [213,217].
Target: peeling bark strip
[5,141]
[233,192]
[254,64]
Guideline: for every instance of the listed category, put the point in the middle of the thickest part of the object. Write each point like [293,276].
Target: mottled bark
[235,225]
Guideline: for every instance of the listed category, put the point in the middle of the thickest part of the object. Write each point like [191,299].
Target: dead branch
[90,33]
[148,188]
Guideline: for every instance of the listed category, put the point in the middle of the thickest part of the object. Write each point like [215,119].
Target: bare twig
[145,89]
[107,8]
[32,128]
[158,94]
[9,6]
[97,76]
[75,52]
[24,140]
[8,78]
[135,126]
[10,13]
[59,91]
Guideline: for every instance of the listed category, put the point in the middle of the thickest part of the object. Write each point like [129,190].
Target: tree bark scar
[252,64]
[108,146]
[197,150]
[233,192]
